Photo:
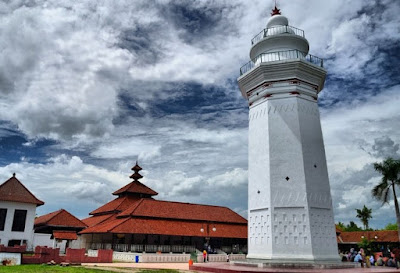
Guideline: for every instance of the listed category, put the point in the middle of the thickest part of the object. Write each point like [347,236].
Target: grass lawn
[69,269]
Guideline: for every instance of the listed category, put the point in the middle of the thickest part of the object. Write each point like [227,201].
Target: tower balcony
[280,56]
[276,30]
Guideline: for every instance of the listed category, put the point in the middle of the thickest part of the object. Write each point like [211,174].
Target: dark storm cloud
[145,42]
[201,20]
[385,147]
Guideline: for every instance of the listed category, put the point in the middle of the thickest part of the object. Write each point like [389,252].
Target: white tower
[290,206]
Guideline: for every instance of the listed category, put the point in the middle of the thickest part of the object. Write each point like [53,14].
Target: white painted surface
[14,258]
[27,234]
[40,239]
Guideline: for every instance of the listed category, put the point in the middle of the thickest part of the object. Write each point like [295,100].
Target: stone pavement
[229,268]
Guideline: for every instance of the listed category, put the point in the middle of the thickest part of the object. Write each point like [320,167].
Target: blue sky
[87,88]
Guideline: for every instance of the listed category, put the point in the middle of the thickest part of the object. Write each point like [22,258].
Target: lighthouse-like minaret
[290,207]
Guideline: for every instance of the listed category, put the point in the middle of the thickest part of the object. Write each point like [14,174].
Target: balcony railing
[279,56]
[277,30]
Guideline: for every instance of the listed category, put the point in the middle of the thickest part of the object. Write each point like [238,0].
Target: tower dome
[277,20]
[278,36]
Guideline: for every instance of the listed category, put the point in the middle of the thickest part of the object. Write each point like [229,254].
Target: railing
[235,249]
[143,248]
[277,30]
[96,246]
[279,56]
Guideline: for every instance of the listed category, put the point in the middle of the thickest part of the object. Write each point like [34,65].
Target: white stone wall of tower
[290,206]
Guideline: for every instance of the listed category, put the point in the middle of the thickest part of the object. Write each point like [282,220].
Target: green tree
[364,214]
[352,227]
[390,169]
[341,226]
[390,226]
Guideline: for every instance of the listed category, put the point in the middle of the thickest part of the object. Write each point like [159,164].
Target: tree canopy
[364,214]
[390,171]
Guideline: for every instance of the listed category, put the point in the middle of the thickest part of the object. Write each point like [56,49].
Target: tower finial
[275,11]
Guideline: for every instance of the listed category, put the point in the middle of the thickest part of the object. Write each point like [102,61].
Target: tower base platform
[285,268]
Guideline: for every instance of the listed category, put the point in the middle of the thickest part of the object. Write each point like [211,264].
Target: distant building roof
[379,236]
[13,190]
[59,218]
[65,235]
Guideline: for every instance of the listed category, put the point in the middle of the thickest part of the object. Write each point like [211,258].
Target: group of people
[368,261]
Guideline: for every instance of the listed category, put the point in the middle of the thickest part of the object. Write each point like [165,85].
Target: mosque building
[135,221]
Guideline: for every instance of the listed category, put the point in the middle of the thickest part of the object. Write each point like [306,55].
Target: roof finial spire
[13,174]
[136,169]
[275,11]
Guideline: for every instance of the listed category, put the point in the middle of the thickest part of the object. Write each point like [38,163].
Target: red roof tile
[65,235]
[104,226]
[13,190]
[135,187]
[117,205]
[347,237]
[169,227]
[60,218]
[184,211]
[94,220]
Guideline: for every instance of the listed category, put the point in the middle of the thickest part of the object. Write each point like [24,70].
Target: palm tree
[390,169]
[364,214]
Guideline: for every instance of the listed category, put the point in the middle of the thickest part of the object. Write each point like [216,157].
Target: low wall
[150,258]
[165,258]
[13,249]
[126,257]
[77,256]
[7,258]
[237,257]
[221,257]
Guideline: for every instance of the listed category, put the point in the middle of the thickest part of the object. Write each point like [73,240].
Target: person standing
[205,255]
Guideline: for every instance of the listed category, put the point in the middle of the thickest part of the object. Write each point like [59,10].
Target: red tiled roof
[94,220]
[117,205]
[347,237]
[168,227]
[184,211]
[135,187]
[104,226]
[59,218]
[13,190]
[65,235]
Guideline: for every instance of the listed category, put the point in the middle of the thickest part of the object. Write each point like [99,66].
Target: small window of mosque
[3,215]
[19,220]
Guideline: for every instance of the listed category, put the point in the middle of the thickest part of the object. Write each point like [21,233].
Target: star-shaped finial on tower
[275,11]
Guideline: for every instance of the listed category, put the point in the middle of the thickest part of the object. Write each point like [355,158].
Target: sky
[89,87]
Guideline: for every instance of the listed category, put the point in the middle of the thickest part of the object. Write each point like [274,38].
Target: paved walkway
[228,268]
[177,266]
